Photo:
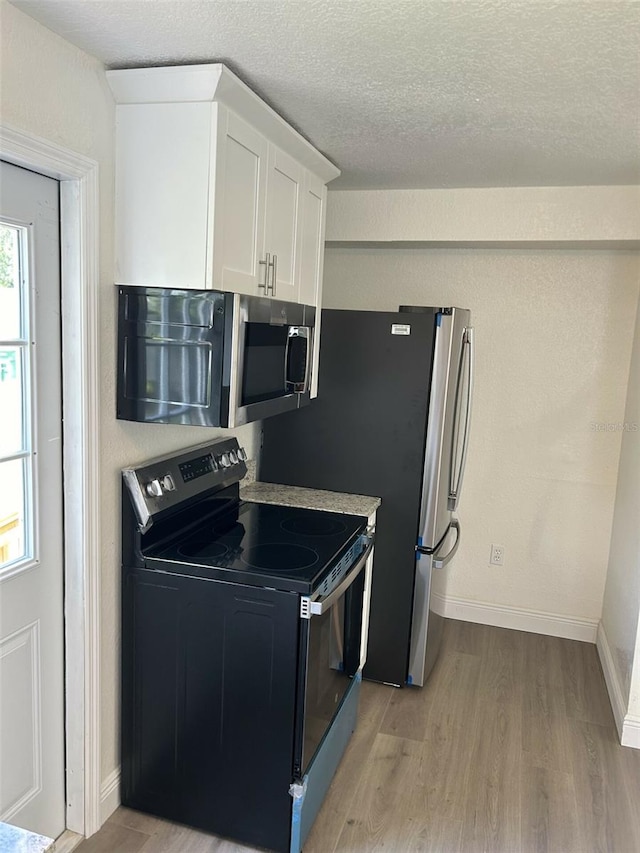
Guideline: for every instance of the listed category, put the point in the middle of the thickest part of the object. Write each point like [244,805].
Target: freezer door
[426,624]
[448,425]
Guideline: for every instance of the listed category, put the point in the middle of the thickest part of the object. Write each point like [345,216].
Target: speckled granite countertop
[272,493]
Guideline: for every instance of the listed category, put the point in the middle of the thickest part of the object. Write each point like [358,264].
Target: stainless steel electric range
[243,640]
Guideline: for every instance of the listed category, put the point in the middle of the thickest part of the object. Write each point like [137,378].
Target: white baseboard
[612,681]
[519,619]
[109,795]
[631,731]
[628,725]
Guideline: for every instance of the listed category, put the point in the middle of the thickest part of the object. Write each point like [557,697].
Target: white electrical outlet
[497,555]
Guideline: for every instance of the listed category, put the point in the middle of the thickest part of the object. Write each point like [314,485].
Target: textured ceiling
[408,93]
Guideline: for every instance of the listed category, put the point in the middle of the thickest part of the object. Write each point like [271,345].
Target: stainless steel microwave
[209,358]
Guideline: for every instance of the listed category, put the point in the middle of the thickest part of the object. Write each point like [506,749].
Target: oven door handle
[317,606]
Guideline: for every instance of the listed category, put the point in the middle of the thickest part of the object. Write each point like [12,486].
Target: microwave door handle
[441,562]
[297,332]
[319,605]
[454,495]
[286,359]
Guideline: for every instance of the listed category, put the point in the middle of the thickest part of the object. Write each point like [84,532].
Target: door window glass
[16,446]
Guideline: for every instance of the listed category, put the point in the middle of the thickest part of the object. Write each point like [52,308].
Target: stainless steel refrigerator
[391,419]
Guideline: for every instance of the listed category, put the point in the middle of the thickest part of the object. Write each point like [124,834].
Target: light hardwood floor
[510,748]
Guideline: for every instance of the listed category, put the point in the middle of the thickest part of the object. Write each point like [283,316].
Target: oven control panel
[197,467]
[209,463]
[164,483]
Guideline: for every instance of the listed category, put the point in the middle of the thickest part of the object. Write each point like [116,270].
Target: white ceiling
[408,93]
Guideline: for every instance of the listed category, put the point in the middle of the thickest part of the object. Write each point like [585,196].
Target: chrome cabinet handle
[266,263]
[274,273]
[456,487]
[441,562]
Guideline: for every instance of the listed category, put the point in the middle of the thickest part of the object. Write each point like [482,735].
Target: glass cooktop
[261,544]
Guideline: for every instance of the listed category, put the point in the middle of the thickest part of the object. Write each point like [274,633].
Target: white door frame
[78,176]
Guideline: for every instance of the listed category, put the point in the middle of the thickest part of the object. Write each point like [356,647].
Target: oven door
[332,636]
[273,346]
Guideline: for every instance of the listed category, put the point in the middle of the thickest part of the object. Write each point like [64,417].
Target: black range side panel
[365,434]
[209,674]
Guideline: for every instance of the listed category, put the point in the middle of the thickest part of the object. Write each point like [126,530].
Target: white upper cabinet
[283,224]
[239,207]
[162,194]
[311,242]
[213,188]
[314,198]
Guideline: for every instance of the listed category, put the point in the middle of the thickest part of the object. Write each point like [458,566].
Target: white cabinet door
[240,205]
[282,226]
[314,198]
[163,166]
[312,239]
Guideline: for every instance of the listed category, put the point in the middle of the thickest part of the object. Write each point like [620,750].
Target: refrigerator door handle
[456,487]
[441,562]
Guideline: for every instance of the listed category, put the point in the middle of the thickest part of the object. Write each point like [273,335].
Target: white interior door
[32,780]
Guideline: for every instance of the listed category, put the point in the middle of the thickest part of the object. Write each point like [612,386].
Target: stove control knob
[154,488]
[233,456]
[242,454]
[167,483]
[225,461]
